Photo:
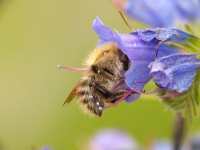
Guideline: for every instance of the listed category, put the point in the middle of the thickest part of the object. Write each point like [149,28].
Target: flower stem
[179,131]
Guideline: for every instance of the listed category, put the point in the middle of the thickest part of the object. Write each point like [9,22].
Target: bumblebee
[102,84]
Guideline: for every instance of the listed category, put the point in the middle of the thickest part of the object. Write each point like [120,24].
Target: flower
[142,48]
[162,13]
[175,72]
[188,10]
[177,77]
[112,139]
[195,142]
[192,143]
[45,148]
[162,145]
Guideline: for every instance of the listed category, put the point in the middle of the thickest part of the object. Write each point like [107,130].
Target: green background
[35,36]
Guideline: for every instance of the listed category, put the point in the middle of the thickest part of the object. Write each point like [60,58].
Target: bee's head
[109,53]
[102,52]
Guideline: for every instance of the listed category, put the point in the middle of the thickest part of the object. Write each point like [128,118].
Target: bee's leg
[118,85]
[111,104]
[114,98]
[110,97]
[103,91]
[120,96]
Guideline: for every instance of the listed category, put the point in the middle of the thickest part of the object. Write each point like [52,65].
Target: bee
[102,84]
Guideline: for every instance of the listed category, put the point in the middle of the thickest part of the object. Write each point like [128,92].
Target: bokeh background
[35,36]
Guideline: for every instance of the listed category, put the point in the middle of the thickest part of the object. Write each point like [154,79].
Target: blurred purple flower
[112,139]
[45,148]
[188,10]
[195,143]
[162,13]
[192,143]
[142,47]
[162,145]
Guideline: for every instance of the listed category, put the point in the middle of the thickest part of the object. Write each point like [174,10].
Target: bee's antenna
[72,69]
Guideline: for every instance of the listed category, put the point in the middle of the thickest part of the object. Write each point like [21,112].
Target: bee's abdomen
[89,98]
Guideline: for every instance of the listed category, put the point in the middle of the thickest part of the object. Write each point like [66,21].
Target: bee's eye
[95,69]
[125,60]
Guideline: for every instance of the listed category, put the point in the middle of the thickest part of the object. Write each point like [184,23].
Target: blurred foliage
[35,37]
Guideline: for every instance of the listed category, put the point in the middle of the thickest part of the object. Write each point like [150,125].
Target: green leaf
[192,44]
[187,102]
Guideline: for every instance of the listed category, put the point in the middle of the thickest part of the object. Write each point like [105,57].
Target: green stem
[179,131]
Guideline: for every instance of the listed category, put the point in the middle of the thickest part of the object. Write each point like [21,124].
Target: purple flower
[177,78]
[112,139]
[187,10]
[142,47]
[175,72]
[162,13]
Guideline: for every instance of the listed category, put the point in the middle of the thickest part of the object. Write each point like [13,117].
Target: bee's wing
[71,95]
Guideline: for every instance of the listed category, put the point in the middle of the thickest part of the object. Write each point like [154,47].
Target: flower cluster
[162,55]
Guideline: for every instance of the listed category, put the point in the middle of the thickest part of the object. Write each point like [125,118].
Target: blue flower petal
[163,34]
[138,75]
[175,72]
[151,12]
[163,13]
[188,10]
[105,33]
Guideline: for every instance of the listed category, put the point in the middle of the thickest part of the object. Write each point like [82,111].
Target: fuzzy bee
[102,84]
